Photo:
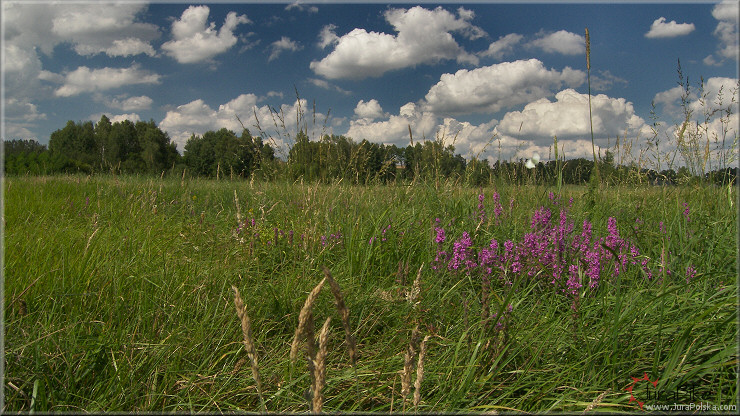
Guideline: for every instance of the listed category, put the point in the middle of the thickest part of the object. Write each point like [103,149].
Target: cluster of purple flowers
[498,210]
[551,251]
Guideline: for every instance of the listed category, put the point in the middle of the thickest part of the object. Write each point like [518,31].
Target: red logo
[636,380]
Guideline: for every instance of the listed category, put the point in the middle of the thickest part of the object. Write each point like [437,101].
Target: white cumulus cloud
[368,110]
[197,117]
[91,28]
[22,70]
[470,140]
[424,37]
[661,29]
[726,31]
[20,115]
[709,122]
[498,86]
[194,40]
[718,94]
[562,41]
[568,118]
[125,103]
[395,128]
[129,47]
[84,79]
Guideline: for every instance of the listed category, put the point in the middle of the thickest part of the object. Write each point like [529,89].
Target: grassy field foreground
[118,296]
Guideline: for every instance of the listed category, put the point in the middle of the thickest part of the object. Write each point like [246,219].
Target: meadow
[119,296]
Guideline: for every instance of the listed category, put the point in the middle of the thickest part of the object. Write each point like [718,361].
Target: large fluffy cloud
[519,134]
[20,115]
[470,140]
[197,117]
[568,117]
[424,37]
[31,29]
[22,68]
[369,110]
[496,87]
[562,41]
[84,79]
[726,31]
[661,29]
[395,129]
[94,28]
[713,118]
[113,29]
[194,41]
[717,95]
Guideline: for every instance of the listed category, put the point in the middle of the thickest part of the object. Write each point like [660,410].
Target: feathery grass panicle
[596,401]
[413,293]
[249,344]
[319,364]
[305,323]
[420,371]
[408,362]
[344,315]
[89,240]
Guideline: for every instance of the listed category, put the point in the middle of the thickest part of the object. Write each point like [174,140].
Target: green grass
[127,281]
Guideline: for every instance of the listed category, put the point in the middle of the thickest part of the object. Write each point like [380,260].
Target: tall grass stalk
[249,344]
[319,365]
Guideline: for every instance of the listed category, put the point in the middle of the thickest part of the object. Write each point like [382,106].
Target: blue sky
[494,79]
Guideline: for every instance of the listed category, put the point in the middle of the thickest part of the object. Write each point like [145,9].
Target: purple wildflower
[541,217]
[440,235]
[686,212]
[690,273]
[460,252]
[497,208]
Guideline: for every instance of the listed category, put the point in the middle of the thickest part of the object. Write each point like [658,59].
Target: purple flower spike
[440,235]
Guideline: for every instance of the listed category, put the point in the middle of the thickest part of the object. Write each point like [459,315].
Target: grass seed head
[413,294]
[344,315]
[408,362]
[320,368]
[596,401]
[420,371]
[305,320]
[249,344]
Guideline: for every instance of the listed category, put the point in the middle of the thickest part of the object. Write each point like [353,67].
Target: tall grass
[126,287]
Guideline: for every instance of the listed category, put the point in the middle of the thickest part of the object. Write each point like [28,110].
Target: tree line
[142,148]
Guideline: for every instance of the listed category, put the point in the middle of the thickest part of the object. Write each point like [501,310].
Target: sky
[496,80]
